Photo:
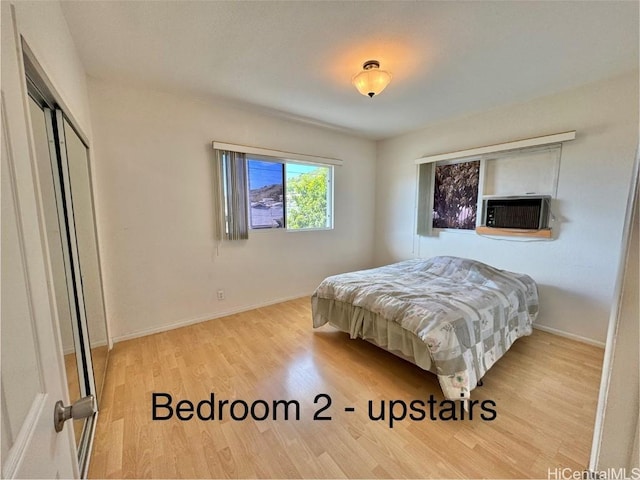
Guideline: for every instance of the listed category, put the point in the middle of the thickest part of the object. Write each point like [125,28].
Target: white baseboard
[204,318]
[245,308]
[572,336]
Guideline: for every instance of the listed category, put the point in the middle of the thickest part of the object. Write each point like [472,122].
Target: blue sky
[269,173]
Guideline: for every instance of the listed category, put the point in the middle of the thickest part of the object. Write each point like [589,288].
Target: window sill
[514,232]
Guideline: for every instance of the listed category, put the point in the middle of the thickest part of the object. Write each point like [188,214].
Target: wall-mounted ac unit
[529,212]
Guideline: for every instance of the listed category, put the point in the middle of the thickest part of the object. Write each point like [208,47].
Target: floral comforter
[466,312]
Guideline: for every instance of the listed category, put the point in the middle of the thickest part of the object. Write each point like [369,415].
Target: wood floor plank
[545,390]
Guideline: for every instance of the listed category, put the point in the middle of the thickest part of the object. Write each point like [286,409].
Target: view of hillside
[274,192]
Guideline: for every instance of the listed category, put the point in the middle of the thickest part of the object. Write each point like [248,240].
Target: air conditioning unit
[529,212]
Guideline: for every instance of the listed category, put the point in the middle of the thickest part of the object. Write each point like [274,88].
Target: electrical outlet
[220,294]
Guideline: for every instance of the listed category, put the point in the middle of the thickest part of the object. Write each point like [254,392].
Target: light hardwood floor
[545,389]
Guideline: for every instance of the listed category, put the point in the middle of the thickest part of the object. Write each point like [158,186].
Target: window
[289,195]
[452,191]
[256,188]
[308,196]
[266,194]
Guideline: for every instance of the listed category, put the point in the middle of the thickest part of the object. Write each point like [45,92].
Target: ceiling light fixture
[371,80]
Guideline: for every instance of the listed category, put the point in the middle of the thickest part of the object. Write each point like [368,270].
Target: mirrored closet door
[65,185]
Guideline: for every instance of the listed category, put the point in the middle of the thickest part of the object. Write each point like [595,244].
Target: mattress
[463,313]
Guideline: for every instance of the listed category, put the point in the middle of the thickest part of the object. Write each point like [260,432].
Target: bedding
[453,316]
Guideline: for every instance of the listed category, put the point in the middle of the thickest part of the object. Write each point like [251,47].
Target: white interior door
[33,376]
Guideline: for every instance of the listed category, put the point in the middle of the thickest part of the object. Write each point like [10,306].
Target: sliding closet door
[78,177]
[75,195]
[87,385]
[59,255]
[65,186]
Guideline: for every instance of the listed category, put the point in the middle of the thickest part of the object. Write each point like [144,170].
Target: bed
[452,316]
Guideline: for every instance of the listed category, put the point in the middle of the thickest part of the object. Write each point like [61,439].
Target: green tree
[307,200]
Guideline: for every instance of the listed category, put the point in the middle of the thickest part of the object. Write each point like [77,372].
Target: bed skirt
[361,323]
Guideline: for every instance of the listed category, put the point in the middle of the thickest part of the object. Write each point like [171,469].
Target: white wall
[154,171]
[576,272]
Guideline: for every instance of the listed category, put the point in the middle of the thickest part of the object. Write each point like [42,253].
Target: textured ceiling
[297,58]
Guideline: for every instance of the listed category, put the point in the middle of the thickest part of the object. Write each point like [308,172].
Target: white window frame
[285,162]
[278,156]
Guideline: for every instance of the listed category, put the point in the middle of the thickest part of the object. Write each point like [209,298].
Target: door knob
[83,408]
